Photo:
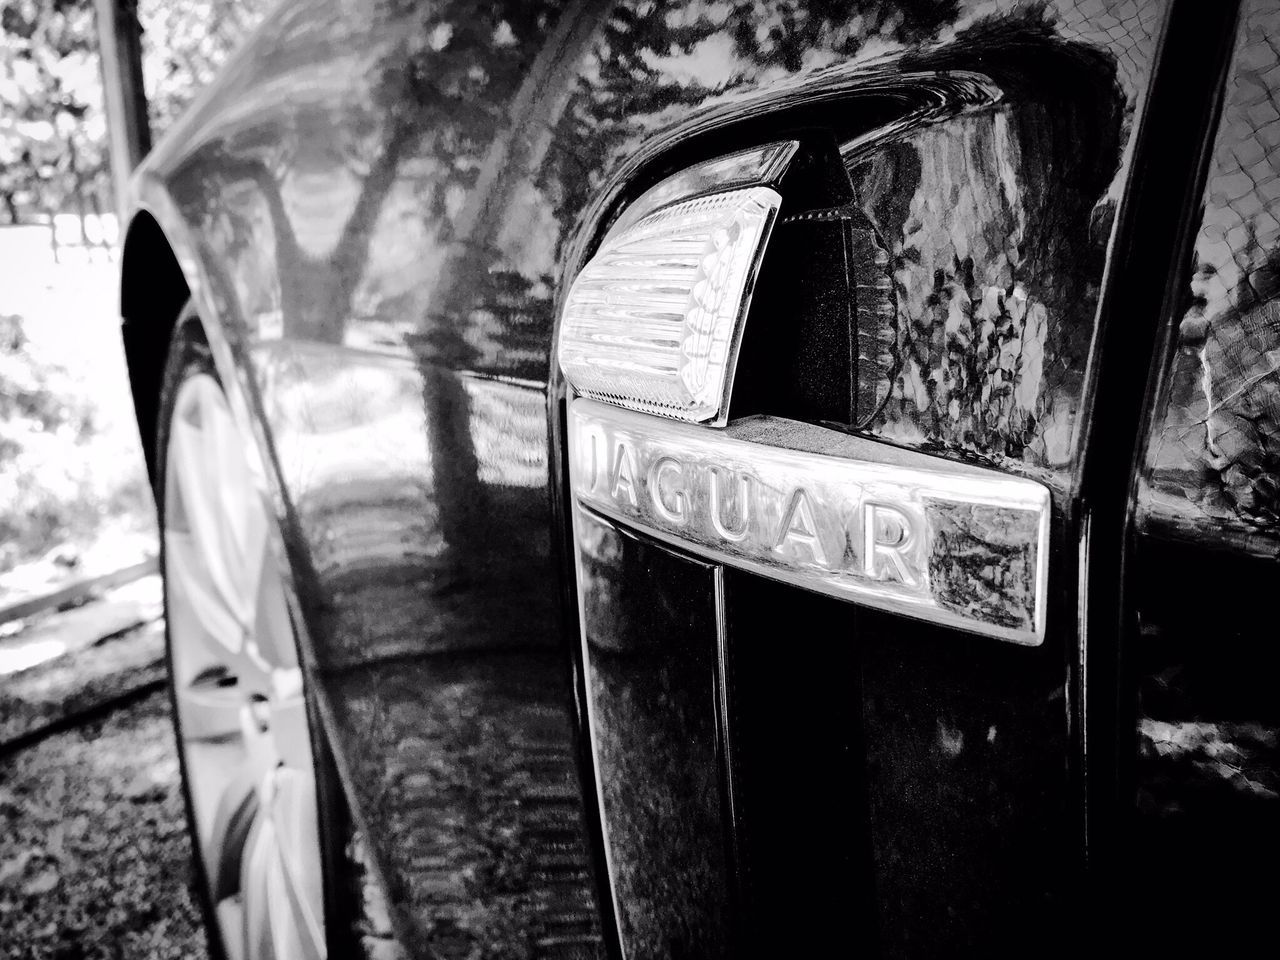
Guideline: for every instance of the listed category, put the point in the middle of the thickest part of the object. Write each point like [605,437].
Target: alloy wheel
[238,689]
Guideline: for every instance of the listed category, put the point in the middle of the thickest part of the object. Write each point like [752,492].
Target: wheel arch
[153,290]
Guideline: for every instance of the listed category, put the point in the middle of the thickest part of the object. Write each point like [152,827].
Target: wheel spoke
[195,600]
[258,940]
[202,511]
[272,627]
[197,613]
[243,527]
[282,909]
[294,817]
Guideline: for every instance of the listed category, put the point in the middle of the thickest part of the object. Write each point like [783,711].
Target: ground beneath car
[94,856]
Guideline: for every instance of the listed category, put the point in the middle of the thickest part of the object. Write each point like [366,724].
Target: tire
[264,804]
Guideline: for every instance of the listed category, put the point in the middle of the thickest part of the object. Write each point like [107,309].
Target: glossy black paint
[1151,242]
[973,853]
[799,771]
[1203,816]
[377,208]
[652,674]
[1204,789]
[977,234]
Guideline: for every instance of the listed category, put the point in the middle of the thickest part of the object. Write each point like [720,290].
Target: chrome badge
[648,341]
[836,514]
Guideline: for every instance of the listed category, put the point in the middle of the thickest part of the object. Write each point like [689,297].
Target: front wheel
[245,741]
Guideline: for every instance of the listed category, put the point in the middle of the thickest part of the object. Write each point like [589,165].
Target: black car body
[562,736]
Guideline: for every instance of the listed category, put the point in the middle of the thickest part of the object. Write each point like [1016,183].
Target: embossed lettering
[624,474]
[905,534]
[717,507]
[594,440]
[800,528]
[672,513]
[886,539]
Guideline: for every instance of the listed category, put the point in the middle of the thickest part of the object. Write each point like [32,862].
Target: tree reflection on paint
[997,224]
[1213,461]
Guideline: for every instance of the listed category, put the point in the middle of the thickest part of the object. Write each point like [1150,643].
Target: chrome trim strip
[947,543]
[1082,654]
[724,733]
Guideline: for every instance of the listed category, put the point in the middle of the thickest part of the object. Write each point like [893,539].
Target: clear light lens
[654,321]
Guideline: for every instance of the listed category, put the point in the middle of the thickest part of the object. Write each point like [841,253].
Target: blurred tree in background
[39,407]
[52,129]
[71,481]
[184,42]
[53,132]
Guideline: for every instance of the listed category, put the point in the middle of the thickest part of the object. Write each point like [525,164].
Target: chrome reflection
[759,166]
[832,513]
